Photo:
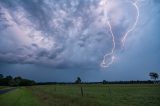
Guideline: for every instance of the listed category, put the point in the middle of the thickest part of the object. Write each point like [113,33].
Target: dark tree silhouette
[78,81]
[104,82]
[154,75]
[17,81]
[1,76]
[9,77]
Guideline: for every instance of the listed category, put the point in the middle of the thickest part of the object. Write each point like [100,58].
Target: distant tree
[78,81]
[12,83]
[26,82]
[7,80]
[1,80]
[104,81]
[17,80]
[1,76]
[154,75]
[9,77]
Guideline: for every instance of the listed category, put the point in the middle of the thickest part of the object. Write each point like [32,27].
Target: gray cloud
[61,34]
[45,40]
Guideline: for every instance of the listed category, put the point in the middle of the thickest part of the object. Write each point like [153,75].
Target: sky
[59,40]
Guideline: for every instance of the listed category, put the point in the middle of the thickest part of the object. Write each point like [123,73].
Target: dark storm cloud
[58,40]
[62,33]
[69,27]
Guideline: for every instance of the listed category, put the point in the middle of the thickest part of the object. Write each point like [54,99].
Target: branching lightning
[111,54]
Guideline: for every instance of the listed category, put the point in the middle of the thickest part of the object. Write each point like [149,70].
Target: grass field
[94,95]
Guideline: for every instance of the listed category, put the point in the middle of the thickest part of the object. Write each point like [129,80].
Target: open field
[93,95]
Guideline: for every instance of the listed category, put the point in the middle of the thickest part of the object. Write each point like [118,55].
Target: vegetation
[1,76]
[78,81]
[94,95]
[2,87]
[78,93]
[19,97]
[17,81]
[154,75]
[103,82]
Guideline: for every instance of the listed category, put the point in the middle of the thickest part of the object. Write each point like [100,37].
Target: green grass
[94,95]
[98,95]
[18,97]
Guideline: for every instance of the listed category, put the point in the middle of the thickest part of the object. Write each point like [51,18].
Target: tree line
[19,81]
[15,81]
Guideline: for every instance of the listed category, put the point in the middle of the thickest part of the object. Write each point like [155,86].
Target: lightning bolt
[111,54]
[134,25]
[103,64]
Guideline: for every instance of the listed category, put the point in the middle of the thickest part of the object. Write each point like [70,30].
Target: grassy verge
[18,97]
